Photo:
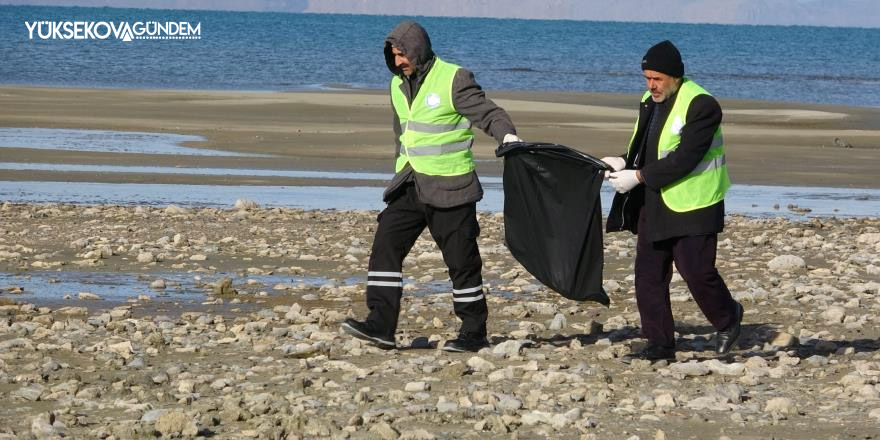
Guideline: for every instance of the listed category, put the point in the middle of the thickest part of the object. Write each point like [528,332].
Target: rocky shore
[246,359]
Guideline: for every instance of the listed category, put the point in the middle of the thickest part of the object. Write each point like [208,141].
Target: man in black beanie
[671,184]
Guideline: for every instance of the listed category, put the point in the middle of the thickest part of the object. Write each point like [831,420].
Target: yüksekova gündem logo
[102,30]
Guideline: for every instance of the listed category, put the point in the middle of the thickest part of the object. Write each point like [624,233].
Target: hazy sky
[857,13]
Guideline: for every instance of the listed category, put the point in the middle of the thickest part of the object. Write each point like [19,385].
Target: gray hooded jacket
[469,100]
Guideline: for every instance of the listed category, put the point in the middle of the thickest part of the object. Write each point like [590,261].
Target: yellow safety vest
[709,181]
[435,139]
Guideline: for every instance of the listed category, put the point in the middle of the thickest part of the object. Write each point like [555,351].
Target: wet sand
[767,142]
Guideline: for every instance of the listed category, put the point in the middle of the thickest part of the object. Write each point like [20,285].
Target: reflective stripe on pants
[455,231]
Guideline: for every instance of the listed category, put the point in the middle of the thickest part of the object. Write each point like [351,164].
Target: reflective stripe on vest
[436,128]
[430,150]
[708,182]
[435,139]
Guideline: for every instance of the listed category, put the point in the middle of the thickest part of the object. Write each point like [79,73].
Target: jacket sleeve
[703,118]
[471,102]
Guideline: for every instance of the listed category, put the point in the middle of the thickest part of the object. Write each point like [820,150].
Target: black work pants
[694,257]
[455,231]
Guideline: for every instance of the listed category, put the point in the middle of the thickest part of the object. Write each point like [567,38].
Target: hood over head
[411,39]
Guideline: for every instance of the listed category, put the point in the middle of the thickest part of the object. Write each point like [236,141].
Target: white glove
[616,163]
[510,137]
[624,181]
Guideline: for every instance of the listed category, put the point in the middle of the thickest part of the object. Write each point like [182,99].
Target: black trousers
[455,231]
[694,257]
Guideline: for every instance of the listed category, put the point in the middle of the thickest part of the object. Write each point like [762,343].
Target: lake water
[284,51]
[749,200]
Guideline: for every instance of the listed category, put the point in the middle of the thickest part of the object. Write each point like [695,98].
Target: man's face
[402,62]
[661,85]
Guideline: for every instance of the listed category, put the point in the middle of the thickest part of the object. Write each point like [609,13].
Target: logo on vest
[677,125]
[432,100]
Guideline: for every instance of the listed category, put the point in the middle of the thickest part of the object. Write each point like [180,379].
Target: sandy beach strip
[767,143]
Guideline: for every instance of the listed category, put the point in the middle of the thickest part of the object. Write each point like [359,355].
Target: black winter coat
[659,222]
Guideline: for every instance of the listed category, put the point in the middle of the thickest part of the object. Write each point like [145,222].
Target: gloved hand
[510,137]
[616,163]
[624,181]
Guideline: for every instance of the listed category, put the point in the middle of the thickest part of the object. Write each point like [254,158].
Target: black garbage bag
[553,216]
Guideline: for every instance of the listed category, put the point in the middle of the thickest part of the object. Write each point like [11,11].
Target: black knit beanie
[664,58]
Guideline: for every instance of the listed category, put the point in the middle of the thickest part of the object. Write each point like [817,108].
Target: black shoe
[651,353]
[466,342]
[724,340]
[361,330]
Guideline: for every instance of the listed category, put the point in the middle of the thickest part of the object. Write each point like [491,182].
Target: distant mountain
[856,13]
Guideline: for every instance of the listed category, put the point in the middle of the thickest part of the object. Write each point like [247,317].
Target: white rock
[869,238]
[780,405]
[175,210]
[152,415]
[186,386]
[123,349]
[501,374]
[725,369]
[384,431]
[785,263]
[542,308]
[88,296]
[198,257]
[479,364]
[428,257]
[417,387]
[535,417]
[692,368]
[246,204]
[784,340]
[611,286]
[417,434]
[511,347]
[664,400]
[445,407]
[558,322]
[41,425]
[834,314]
[508,404]
[146,257]
[158,284]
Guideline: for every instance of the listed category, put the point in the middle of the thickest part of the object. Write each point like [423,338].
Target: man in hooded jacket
[435,103]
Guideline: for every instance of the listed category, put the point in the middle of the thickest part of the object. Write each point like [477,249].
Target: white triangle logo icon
[126,33]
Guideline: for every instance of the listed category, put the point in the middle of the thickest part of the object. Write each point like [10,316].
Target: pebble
[692,368]
[784,340]
[88,296]
[780,405]
[41,425]
[480,365]
[176,424]
[416,434]
[415,387]
[509,348]
[557,323]
[786,263]
[834,314]
[268,366]
[384,431]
